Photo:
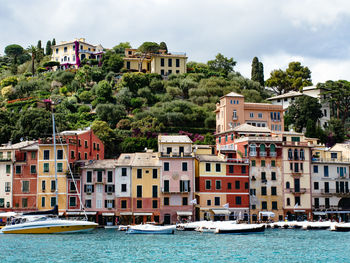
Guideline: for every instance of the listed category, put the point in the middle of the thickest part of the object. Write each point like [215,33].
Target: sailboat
[46,222]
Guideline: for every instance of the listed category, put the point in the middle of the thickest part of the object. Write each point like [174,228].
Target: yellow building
[161,63]
[145,187]
[46,197]
[66,52]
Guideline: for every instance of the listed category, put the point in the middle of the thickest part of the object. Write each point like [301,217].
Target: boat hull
[242,231]
[137,231]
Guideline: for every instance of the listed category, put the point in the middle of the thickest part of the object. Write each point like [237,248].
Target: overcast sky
[314,32]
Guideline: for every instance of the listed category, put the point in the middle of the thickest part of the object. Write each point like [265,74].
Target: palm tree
[34,52]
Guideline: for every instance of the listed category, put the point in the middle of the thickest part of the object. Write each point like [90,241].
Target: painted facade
[161,63]
[177,178]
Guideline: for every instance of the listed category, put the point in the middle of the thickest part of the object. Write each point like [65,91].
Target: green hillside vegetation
[126,110]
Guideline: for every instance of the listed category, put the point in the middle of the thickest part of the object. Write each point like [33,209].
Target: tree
[110,113]
[34,52]
[163,46]
[303,109]
[14,51]
[120,48]
[112,62]
[222,64]
[104,90]
[294,78]
[53,43]
[147,48]
[48,48]
[39,45]
[257,71]
[338,95]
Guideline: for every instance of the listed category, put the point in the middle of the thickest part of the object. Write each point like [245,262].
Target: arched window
[290,154]
[272,148]
[232,137]
[302,156]
[262,147]
[288,201]
[65,58]
[252,150]
[296,154]
[287,185]
[226,138]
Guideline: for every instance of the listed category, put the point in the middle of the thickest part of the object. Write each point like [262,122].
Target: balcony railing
[331,160]
[175,191]
[236,160]
[293,191]
[295,143]
[273,154]
[334,192]
[263,154]
[252,154]
[176,154]
[5,160]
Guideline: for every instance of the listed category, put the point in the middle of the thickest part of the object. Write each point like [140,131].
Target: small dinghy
[151,229]
[240,229]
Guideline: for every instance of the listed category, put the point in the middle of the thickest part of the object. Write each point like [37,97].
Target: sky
[313,32]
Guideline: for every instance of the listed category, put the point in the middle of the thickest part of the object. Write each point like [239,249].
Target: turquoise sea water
[275,245]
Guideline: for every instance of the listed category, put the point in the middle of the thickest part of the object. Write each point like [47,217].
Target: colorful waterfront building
[145,187]
[177,178]
[71,53]
[232,111]
[162,62]
[123,188]
[13,165]
[265,155]
[98,190]
[296,175]
[330,182]
[73,149]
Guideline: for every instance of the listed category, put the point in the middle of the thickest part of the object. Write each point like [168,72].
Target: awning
[319,213]
[337,212]
[8,214]
[221,211]
[184,213]
[126,213]
[90,213]
[73,213]
[267,213]
[108,214]
[299,210]
[143,214]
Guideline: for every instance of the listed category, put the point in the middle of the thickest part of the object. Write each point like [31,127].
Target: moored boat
[151,229]
[240,229]
[317,225]
[340,227]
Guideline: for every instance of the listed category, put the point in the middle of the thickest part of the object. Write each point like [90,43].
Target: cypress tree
[257,71]
[162,45]
[48,48]
[39,45]
[261,74]
[53,43]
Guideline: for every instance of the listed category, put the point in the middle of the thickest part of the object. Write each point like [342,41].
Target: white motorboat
[340,227]
[151,229]
[317,225]
[211,226]
[45,225]
[240,229]
[192,226]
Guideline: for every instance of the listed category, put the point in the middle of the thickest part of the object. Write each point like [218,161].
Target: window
[72,201]
[98,203]
[154,191]
[162,62]
[218,167]
[154,204]
[109,203]
[25,186]
[166,201]
[72,154]
[246,185]
[170,62]
[7,187]
[110,176]
[217,201]
[59,154]
[46,167]
[297,200]
[317,202]
[166,166]
[208,202]
[251,115]
[325,171]
[185,186]
[316,186]
[88,203]
[8,168]
[262,163]
[334,155]
[230,169]
[99,176]
[139,190]
[139,203]
[53,185]
[288,201]
[89,176]
[229,186]
[263,175]
[33,169]
[162,72]
[260,115]
[263,205]
[207,184]
[53,201]
[177,62]
[46,154]
[253,163]
[85,156]
[207,167]
[59,167]
[287,185]
[166,186]
[24,202]
[184,201]
[184,167]
[273,175]
[139,173]
[18,169]
[218,184]
[274,205]
[237,185]
[155,174]
[326,187]
[72,187]
[238,200]
[290,154]
[273,190]
[123,204]
[123,188]
[123,171]
[43,185]
[302,155]
[263,190]
[43,201]
[243,169]
[273,163]
[86,144]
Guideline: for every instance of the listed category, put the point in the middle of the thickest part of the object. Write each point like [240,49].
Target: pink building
[177,178]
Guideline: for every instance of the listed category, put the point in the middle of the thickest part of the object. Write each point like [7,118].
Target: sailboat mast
[55,152]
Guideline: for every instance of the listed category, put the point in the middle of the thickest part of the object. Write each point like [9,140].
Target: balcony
[335,193]
[298,173]
[234,118]
[292,190]
[331,160]
[252,154]
[235,160]
[273,154]
[295,143]
[5,160]
[174,191]
[175,154]
[263,154]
